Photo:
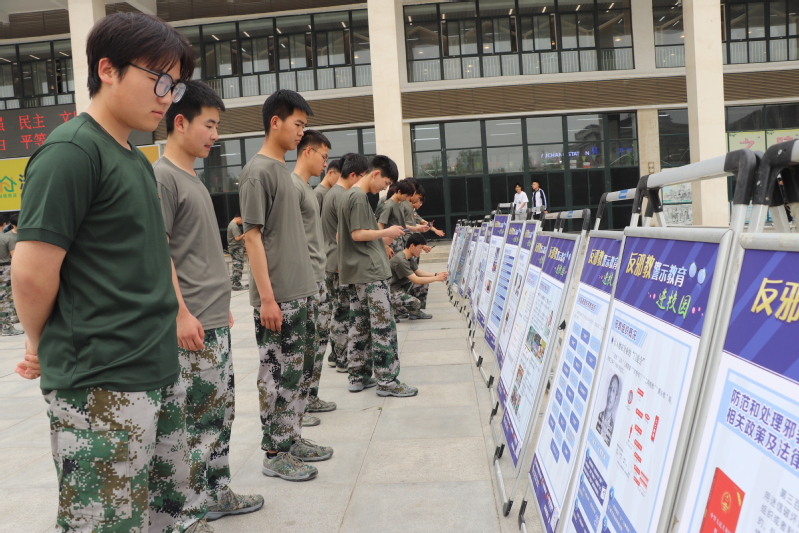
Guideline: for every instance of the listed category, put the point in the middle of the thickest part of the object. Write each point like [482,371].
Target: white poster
[492,268]
[502,292]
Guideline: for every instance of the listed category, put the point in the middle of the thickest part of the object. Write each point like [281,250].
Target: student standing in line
[353,167]
[520,201]
[311,158]
[93,286]
[235,247]
[7,313]
[539,200]
[409,285]
[381,203]
[363,265]
[393,215]
[282,289]
[331,178]
[202,288]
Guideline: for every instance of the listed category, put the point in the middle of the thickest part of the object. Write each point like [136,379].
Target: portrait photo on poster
[606,419]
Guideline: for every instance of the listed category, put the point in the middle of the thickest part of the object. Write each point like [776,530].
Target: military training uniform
[406,297]
[108,352]
[269,199]
[363,265]
[206,374]
[338,294]
[236,250]
[7,313]
[393,215]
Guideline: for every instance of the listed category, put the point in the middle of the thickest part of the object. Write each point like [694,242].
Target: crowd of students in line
[129,331]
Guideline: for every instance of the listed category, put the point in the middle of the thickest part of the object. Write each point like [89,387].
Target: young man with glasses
[311,158]
[363,265]
[353,167]
[202,288]
[282,289]
[93,287]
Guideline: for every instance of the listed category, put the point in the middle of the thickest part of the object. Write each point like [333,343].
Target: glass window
[332,39]
[192,33]
[536,6]
[294,40]
[224,153]
[757,20]
[538,33]
[586,154]
[497,8]
[36,62]
[369,143]
[221,50]
[460,162]
[544,130]
[545,157]
[462,134]
[503,132]
[778,19]
[64,77]
[672,121]
[360,38]
[583,128]
[623,153]
[258,46]
[622,126]
[737,21]
[251,146]
[615,29]
[427,164]
[782,116]
[668,25]
[745,118]
[506,159]
[421,32]
[426,137]
[460,37]
[342,142]
[8,58]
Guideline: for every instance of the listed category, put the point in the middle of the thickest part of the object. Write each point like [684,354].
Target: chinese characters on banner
[22,131]
[754,412]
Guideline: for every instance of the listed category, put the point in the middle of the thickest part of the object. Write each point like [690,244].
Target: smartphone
[431,223]
[406,230]
[432,246]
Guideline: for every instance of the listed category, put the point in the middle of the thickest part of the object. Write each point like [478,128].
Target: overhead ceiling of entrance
[44,18]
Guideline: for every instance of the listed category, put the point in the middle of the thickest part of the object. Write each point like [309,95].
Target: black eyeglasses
[164,83]
[318,152]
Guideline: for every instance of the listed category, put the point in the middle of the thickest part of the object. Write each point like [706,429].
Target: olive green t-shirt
[7,242]
[330,210]
[268,199]
[407,210]
[381,205]
[313,226]
[233,231]
[194,244]
[113,323]
[361,261]
[401,268]
[392,214]
[320,191]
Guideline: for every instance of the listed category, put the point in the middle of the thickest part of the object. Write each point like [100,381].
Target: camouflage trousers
[121,460]
[372,335]
[237,255]
[339,321]
[310,382]
[207,376]
[7,312]
[409,301]
[398,244]
[286,356]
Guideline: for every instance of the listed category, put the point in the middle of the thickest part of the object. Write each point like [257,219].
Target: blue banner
[600,264]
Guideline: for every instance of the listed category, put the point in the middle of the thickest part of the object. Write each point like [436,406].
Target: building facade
[471,97]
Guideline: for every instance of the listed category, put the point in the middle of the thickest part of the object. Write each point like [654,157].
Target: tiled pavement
[418,464]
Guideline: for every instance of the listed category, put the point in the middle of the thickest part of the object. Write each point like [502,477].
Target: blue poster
[515,291]
[492,267]
[512,240]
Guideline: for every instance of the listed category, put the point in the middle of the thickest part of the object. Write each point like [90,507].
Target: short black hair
[125,38]
[535,181]
[403,187]
[419,190]
[13,219]
[386,166]
[334,165]
[281,104]
[197,96]
[415,239]
[354,163]
[313,138]
[392,189]
[237,215]
[518,185]
[414,183]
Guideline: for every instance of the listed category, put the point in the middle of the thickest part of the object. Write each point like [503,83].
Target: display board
[646,367]
[555,454]
[753,407]
[491,271]
[517,288]
[455,247]
[460,257]
[478,266]
[523,382]
[471,251]
[513,239]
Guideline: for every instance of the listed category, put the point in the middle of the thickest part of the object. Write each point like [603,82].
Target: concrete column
[648,141]
[82,16]
[704,78]
[385,19]
[643,36]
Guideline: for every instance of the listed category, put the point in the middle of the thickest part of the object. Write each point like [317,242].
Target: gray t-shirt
[233,231]
[407,210]
[313,226]
[401,268]
[7,243]
[194,244]
[268,199]
[320,191]
[361,261]
[330,208]
[392,214]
